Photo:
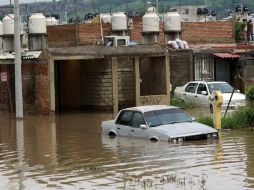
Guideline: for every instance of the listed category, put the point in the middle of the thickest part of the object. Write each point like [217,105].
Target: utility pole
[18,75]
[157,6]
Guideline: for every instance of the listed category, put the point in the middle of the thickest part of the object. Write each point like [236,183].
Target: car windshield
[223,87]
[166,116]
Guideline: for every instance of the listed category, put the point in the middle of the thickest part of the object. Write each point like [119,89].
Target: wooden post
[137,81]
[168,86]
[115,85]
[51,75]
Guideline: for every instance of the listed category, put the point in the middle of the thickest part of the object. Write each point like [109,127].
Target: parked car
[200,93]
[157,122]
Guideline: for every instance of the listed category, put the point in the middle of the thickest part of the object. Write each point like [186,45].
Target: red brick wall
[192,32]
[35,87]
[90,34]
[61,36]
[207,32]
[6,88]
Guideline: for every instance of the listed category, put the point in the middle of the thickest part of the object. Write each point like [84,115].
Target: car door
[199,98]
[124,123]
[136,131]
[190,92]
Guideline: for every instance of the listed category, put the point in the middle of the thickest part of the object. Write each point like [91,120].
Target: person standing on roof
[250,30]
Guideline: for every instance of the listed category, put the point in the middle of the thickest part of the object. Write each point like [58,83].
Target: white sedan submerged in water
[157,122]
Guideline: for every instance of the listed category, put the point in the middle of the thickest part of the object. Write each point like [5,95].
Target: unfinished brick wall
[208,32]
[35,87]
[90,33]
[7,88]
[62,35]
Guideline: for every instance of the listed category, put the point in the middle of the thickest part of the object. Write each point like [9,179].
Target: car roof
[150,108]
[208,82]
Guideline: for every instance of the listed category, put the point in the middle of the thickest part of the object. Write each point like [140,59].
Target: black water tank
[238,9]
[205,11]
[199,11]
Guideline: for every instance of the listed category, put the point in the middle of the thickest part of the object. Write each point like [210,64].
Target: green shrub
[250,92]
[206,120]
[239,119]
[180,103]
[239,30]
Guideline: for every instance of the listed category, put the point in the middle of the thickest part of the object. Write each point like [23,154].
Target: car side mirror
[238,91]
[194,119]
[204,92]
[143,127]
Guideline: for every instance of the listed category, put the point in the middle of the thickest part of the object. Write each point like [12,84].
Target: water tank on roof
[51,21]
[8,24]
[119,21]
[105,18]
[151,9]
[37,24]
[172,22]
[151,22]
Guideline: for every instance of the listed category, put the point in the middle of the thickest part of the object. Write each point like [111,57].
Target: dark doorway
[67,84]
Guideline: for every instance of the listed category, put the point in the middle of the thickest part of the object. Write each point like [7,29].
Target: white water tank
[172,22]
[105,18]
[151,9]
[50,21]
[119,21]
[8,24]
[151,22]
[37,24]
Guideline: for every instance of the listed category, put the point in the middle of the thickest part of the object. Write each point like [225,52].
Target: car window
[125,118]
[191,87]
[201,87]
[137,120]
[166,116]
[223,87]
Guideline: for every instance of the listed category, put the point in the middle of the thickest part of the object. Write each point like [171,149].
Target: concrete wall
[96,83]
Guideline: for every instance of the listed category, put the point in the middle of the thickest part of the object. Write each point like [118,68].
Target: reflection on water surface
[68,152]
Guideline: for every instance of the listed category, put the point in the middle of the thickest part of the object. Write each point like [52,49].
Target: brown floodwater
[68,152]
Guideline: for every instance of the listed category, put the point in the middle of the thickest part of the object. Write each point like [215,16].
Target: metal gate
[204,67]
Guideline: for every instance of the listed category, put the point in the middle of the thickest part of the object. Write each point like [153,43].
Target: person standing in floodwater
[250,31]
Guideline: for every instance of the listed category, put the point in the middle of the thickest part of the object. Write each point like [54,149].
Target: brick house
[77,73]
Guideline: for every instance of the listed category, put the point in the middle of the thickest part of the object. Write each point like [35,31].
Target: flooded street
[68,152]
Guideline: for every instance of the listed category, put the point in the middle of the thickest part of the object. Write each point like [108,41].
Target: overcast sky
[4,2]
